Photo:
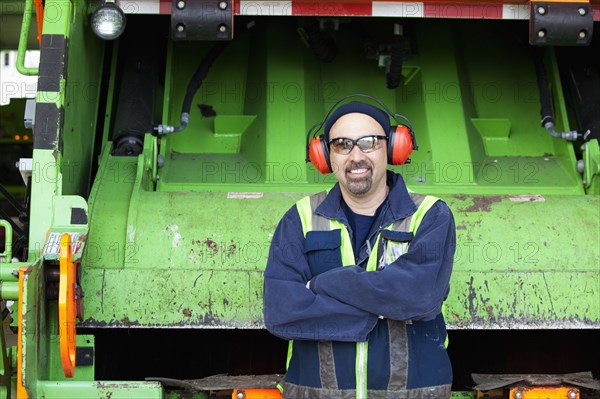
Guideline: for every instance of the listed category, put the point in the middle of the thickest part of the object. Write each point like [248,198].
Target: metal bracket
[29,118]
[202,20]
[560,23]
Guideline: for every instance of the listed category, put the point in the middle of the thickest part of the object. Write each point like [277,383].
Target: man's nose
[356,154]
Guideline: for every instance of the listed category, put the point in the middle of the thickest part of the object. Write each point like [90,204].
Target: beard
[359,185]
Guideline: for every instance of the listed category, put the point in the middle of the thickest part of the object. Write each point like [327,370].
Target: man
[356,277]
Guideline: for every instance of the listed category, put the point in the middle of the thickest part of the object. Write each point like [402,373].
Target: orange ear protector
[400,139]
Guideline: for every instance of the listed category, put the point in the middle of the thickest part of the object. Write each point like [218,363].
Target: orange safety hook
[67,311]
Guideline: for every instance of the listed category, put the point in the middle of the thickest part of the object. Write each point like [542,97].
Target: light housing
[108,21]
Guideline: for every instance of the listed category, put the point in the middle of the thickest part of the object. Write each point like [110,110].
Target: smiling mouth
[358,173]
[358,169]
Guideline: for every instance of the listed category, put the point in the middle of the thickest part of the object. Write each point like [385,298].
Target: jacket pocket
[392,245]
[322,249]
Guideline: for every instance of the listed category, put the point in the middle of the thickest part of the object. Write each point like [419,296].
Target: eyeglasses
[344,146]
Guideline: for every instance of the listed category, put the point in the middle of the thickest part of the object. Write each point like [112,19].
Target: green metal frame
[591,167]
[23,40]
[6,256]
[192,243]
[9,290]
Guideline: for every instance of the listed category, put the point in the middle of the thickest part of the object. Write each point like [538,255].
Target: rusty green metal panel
[99,389]
[519,261]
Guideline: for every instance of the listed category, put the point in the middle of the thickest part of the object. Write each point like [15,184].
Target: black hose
[546,111]
[397,54]
[196,82]
[323,47]
[201,73]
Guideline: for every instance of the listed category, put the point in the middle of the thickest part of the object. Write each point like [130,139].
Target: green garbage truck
[169,137]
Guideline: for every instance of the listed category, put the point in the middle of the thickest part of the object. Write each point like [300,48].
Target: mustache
[358,165]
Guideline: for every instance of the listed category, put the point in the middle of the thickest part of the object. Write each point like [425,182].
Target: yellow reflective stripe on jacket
[418,216]
[346,246]
[372,262]
[305,213]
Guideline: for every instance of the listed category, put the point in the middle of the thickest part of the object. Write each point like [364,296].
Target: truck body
[149,231]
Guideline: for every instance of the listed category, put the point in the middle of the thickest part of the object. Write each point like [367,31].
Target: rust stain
[471,298]
[210,244]
[461,197]
[231,249]
[125,322]
[187,312]
[483,204]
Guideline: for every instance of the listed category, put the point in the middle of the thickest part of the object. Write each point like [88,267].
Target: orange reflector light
[544,393]
[26,137]
[255,393]
[17,137]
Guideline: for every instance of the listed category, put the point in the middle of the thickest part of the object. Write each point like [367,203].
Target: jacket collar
[400,205]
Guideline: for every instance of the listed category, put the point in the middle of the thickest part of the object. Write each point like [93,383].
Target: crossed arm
[343,304]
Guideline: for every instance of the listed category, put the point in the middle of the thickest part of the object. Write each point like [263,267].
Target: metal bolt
[222,28]
[157,177]
[572,394]
[541,33]
[15,273]
[518,394]
[181,5]
[582,34]
[180,27]
[584,182]
[223,5]
[541,10]
[582,11]
[580,165]
[240,395]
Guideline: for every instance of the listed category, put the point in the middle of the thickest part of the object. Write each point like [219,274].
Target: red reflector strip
[331,8]
[462,10]
[165,6]
[419,9]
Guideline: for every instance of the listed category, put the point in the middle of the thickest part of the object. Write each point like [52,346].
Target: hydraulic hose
[196,82]
[398,52]
[193,87]
[546,111]
[323,47]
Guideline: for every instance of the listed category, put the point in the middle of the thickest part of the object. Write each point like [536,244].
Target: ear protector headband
[400,138]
